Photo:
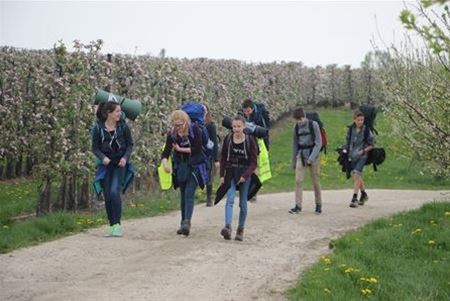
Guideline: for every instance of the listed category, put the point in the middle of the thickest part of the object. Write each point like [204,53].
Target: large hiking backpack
[370,114]
[312,115]
[196,113]
[260,109]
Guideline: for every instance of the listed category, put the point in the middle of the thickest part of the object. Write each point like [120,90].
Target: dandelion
[342,265]
[366,291]
[372,280]
[5,227]
[432,222]
[418,230]
[447,213]
[326,260]
[431,242]
[327,291]
[349,270]
[326,269]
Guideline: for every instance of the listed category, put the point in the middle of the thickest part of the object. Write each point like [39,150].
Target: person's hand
[166,166]
[176,147]
[308,162]
[122,162]
[217,165]
[361,152]
[106,161]
[222,180]
[241,180]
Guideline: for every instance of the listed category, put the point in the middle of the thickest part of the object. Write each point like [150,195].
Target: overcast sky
[315,33]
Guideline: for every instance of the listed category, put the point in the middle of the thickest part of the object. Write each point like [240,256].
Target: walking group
[192,155]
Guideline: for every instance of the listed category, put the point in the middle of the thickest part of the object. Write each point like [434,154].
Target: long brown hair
[208,117]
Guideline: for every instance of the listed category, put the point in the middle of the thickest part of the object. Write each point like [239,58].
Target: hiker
[359,140]
[306,145]
[184,142]
[215,156]
[237,166]
[112,144]
[255,113]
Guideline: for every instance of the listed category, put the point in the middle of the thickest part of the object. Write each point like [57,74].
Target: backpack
[370,114]
[315,117]
[260,109]
[196,113]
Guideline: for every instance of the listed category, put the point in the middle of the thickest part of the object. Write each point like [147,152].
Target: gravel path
[151,262]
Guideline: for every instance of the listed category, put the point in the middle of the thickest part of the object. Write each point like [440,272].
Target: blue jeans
[112,185]
[243,193]
[187,191]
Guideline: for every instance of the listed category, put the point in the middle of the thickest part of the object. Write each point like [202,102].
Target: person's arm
[96,143]
[167,147]
[252,158]
[317,142]
[213,137]
[129,143]
[223,156]
[294,147]
[370,143]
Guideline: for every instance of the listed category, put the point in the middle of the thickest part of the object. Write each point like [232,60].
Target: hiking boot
[117,230]
[364,198]
[226,232]
[179,231]
[318,208]
[239,234]
[185,227]
[354,203]
[295,210]
[253,199]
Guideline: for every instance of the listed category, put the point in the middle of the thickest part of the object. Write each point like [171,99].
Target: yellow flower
[447,213]
[326,260]
[373,280]
[431,242]
[432,222]
[326,269]
[366,291]
[327,291]
[342,265]
[418,230]
[5,227]
[349,270]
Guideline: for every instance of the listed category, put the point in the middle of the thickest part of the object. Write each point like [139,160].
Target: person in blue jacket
[112,144]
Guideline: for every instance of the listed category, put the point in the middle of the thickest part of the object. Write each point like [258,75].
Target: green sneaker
[117,230]
[109,231]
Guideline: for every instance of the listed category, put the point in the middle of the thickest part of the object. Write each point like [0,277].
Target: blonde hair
[179,115]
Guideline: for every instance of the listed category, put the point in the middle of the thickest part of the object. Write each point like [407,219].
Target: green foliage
[401,258]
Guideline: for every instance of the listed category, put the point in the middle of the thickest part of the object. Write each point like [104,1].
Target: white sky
[313,32]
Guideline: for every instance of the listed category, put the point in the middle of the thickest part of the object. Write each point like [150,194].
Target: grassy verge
[17,234]
[406,257]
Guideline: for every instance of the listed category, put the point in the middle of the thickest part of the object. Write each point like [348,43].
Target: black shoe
[295,210]
[318,208]
[354,203]
[364,198]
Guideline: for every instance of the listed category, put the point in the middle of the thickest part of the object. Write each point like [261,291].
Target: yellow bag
[165,178]
[263,162]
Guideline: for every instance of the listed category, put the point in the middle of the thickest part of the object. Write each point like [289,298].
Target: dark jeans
[112,186]
[187,191]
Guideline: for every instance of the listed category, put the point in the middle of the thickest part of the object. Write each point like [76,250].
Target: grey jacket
[303,138]
[357,142]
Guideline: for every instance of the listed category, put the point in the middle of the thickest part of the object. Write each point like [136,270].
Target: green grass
[398,171]
[406,257]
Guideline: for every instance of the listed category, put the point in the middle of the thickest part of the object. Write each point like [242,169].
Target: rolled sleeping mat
[131,107]
[250,129]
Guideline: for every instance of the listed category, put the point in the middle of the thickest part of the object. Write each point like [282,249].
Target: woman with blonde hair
[184,142]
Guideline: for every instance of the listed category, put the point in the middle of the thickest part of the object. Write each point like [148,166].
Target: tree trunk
[44,198]
[62,204]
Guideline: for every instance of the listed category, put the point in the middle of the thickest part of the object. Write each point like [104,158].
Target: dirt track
[151,262]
